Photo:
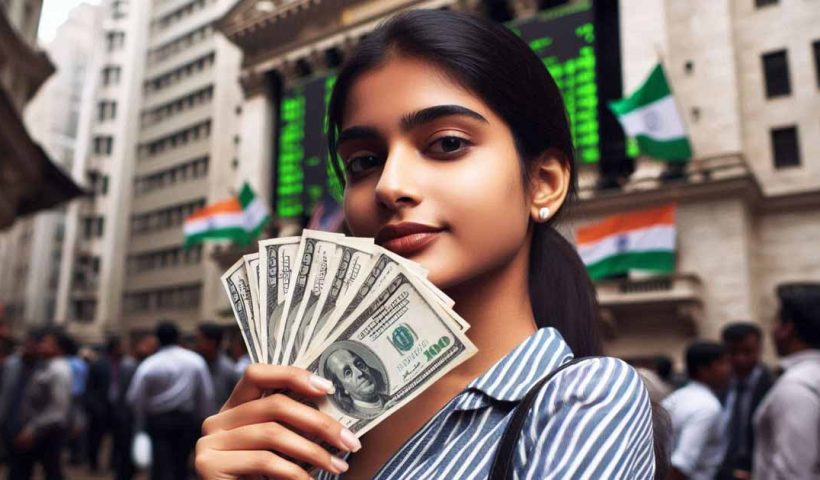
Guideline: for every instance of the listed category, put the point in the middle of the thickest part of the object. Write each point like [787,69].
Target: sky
[55,13]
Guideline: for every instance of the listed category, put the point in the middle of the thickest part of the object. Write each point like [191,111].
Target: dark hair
[167,333]
[663,366]
[6,346]
[212,332]
[493,63]
[67,344]
[736,332]
[700,355]
[112,343]
[800,306]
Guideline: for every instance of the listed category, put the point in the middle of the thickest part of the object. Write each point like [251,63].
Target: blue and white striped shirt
[592,421]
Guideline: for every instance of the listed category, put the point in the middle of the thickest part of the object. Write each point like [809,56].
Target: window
[170,217]
[84,310]
[816,46]
[785,147]
[111,75]
[174,140]
[103,144]
[765,3]
[114,40]
[106,110]
[181,104]
[119,9]
[776,72]
[93,227]
[183,297]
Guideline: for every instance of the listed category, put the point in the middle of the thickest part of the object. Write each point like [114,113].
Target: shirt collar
[790,361]
[513,376]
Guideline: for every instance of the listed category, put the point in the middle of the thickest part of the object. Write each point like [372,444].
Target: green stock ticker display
[564,40]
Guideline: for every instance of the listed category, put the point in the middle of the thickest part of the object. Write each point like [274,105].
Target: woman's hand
[250,435]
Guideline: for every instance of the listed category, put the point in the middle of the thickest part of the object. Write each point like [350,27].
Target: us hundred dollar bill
[316,254]
[276,264]
[252,272]
[354,258]
[235,281]
[395,344]
[380,267]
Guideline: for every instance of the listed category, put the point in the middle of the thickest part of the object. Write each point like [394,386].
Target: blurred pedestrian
[787,423]
[78,421]
[208,343]
[751,379]
[698,441]
[171,395]
[144,347]
[42,411]
[108,381]
[17,372]
[6,351]
[238,352]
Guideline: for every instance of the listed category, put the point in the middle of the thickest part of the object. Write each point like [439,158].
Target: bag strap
[502,463]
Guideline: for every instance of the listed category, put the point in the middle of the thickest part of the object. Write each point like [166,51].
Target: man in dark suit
[108,381]
[750,382]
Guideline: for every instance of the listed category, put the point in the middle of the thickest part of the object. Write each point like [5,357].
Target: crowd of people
[58,402]
[735,418]
[730,417]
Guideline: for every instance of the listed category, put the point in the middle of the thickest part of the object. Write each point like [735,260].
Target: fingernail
[322,384]
[338,465]
[350,441]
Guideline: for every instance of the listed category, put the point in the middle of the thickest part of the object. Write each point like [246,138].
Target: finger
[283,409]
[276,437]
[215,464]
[259,378]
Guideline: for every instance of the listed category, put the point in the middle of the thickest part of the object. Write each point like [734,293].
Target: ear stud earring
[544,214]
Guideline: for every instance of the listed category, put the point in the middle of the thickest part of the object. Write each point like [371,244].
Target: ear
[549,184]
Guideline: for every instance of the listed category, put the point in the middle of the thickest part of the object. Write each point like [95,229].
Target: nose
[396,188]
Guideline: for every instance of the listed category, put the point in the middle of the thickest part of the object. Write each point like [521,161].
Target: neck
[497,307]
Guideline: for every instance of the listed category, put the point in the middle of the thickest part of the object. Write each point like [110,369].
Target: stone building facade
[748,215]
[29,180]
[163,83]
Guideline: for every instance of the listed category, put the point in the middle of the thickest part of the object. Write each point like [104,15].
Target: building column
[256,147]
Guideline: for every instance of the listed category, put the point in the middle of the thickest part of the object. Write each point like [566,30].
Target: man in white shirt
[787,423]
[171,395]
[697,422]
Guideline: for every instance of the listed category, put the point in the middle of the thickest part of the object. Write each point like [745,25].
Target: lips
[407,238]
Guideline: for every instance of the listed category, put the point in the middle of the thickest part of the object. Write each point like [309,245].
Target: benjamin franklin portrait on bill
[360,379]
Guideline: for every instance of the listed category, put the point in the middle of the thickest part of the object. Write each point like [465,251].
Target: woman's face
[420,149]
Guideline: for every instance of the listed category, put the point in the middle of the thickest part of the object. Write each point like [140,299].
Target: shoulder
[593,389]
[597,379]
[693,400]
[595,418]
[795,387]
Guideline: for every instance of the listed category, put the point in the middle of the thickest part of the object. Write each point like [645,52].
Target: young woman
[456,153]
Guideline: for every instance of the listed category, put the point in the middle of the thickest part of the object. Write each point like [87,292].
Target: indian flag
[651,117]
[640,240]
[239,218]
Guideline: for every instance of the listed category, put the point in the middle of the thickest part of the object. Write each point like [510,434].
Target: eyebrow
[411,121]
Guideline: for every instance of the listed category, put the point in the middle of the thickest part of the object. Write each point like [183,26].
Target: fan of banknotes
[349,311]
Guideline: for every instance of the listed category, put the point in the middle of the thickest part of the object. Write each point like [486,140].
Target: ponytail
[562,293]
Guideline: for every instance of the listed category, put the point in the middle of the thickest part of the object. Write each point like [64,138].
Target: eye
[448,145]
[347,372]
[359,364]
[362,163]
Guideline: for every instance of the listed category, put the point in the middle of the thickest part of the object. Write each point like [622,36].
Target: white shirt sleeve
[795,431]
[693,438]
